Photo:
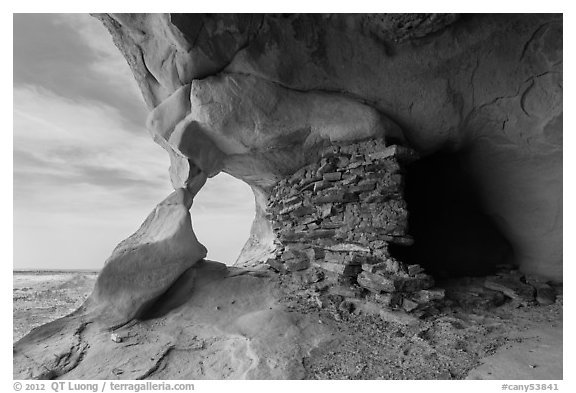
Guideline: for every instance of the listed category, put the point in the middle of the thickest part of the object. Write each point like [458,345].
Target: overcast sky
[86,172]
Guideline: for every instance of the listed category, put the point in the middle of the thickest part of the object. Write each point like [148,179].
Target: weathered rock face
[248,126]
[257,96]
[145,265]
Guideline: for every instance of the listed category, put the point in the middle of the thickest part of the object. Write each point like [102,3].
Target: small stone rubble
[334,220]
[522,288]
[508,284]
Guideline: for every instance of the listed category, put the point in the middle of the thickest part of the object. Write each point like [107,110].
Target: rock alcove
[384,151]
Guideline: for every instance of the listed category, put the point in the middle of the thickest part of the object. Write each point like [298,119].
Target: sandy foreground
[225,323]
[43,296]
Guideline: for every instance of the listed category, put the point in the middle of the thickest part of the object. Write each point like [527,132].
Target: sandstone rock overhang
[258,96]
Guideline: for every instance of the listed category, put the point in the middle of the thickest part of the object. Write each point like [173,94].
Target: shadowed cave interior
[452,235]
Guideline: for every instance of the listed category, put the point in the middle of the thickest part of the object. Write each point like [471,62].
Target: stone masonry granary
[335,218]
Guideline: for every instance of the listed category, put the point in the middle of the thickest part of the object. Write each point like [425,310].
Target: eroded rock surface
[219,322]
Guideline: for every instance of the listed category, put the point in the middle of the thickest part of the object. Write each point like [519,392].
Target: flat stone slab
[512,287]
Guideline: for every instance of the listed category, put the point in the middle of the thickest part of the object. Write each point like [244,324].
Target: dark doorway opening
[453,235]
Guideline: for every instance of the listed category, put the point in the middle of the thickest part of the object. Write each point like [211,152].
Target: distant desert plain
[41,296]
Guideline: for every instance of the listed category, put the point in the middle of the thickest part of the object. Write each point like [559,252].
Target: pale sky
[86,172]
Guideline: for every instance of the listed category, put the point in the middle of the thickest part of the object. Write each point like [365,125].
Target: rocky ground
[229,323]
[42,296]
[476,341]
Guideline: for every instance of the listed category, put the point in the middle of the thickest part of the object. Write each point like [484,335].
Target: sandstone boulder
[144,266]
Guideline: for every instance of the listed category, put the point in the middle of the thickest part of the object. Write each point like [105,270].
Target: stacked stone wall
[335,219]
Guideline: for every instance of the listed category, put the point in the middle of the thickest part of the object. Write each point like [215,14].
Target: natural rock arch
[487,83]
[256,95]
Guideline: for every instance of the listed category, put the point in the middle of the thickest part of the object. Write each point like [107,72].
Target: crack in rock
[155,367]
[67,361]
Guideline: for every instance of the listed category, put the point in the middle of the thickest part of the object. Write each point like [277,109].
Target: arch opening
[222,215]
